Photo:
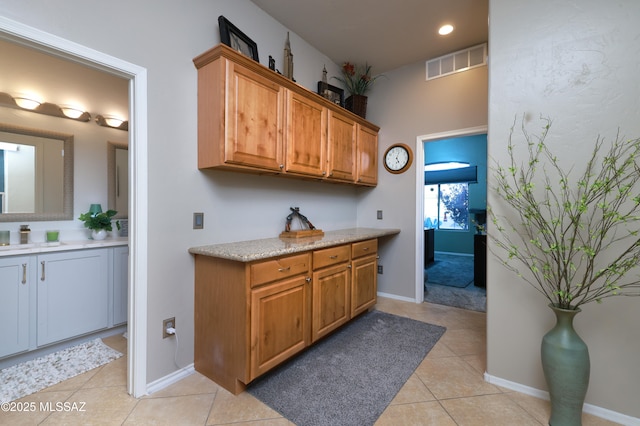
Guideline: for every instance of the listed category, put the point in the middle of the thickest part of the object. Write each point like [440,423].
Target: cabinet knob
[308,279]
[281,166]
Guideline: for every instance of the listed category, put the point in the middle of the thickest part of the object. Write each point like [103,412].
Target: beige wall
[163,37]
[578,64]
[405,106]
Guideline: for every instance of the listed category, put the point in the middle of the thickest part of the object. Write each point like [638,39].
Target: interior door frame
[419,159]
[138,184]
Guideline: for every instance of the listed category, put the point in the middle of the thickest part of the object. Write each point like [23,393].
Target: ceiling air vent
[461,60]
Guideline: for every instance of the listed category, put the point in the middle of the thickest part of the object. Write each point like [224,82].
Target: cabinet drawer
[276,269]
[363,248]
[330,256]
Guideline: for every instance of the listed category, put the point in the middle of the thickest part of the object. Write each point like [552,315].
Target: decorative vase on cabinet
[357,104]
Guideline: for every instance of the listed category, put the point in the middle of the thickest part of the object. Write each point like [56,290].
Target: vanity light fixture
[47,108]
[71,112]
[445,29]
[26,103]
[111,121]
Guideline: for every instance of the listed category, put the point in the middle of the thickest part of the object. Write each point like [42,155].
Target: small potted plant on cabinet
[99,223]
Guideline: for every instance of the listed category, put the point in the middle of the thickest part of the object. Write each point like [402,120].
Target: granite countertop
[247,251]
[42,247]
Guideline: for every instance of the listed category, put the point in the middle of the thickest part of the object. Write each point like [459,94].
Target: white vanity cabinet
[120,284]
[51,296]
[15,282]
[73,294]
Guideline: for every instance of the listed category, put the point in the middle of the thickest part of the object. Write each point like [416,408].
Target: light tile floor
[446,389]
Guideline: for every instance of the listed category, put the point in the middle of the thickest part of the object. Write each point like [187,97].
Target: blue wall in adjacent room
[468,149]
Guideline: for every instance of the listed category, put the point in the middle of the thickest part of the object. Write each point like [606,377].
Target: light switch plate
[379,214]
[198,221]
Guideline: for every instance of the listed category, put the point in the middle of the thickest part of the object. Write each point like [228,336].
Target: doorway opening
[443,242]
[137,76]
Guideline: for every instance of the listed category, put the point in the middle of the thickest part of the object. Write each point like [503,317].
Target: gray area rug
[351,376]
[467,297]
[31,376]
[451,270]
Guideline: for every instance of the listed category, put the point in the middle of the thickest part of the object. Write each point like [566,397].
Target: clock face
[397,158]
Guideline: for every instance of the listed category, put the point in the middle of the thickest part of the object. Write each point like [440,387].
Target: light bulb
[71,112]
[113,121]
[26,103]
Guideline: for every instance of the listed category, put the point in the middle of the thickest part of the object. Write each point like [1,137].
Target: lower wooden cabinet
[331,291]
[252,316]
[280,318]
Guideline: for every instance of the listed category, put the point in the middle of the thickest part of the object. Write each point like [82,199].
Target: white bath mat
[31,376]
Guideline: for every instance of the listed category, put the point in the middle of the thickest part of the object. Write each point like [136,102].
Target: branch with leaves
[576,240]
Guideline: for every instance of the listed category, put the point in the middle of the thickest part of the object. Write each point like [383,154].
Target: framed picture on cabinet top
[332,93]
[236,39]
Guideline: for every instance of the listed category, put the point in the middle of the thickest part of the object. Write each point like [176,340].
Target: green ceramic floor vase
[565,361]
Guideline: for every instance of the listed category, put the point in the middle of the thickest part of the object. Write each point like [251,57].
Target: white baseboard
[170,379]
[588,408]
[393,296]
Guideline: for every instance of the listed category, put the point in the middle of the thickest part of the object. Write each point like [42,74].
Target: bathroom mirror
[118,178]
[36,174]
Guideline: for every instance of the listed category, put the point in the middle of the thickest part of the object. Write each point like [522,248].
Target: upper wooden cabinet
[251,119]
[240,118]
[306,136]
[342,147]
[367,156]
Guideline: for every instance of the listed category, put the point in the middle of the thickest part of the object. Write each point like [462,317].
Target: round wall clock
[398,158]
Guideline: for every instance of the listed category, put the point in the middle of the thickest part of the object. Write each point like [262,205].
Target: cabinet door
[342,147]
[364,284]
[72,294]
[331,288]
[15,281]
[279,322]
[254,120]
[120,284]
[306,139]
[367,156]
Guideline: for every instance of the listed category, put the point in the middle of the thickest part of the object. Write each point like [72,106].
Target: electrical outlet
[168,323]
[380,269]
[198,221]
[379,214]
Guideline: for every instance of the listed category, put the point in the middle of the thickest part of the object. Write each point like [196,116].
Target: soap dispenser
[24,234]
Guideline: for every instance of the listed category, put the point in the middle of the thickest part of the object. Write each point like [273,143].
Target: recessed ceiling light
[445,29]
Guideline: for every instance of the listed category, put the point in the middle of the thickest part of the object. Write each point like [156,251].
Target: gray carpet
[467,297]
[451,270]
[351,376]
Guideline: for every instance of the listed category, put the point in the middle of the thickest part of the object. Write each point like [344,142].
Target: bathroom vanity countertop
[42,247]
[247,251]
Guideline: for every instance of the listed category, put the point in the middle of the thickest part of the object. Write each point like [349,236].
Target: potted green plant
[99,223]
[357,80]
[573,235]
